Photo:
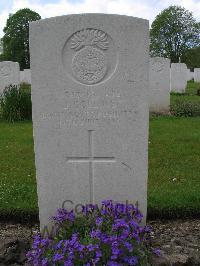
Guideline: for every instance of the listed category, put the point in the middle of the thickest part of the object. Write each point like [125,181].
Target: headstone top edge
[159,58]
[89,15]
[8,62]
[183,64]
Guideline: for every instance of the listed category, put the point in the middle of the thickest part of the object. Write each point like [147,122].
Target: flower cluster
[110,235]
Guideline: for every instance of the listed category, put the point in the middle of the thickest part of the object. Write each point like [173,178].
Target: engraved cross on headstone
[91,159]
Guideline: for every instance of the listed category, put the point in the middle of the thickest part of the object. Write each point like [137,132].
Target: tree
[173,32]
[1,47]
[16,37]
[1,51]
[192,57]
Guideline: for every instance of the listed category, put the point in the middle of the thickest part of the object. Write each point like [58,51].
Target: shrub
[178,93]
[15,103]
[185,108]
[111,235]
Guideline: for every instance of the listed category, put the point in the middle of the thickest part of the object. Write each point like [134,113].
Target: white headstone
[159,84]
[197,74]
[9,74]
[190,74]
[90,109]
[179,76]
[25,76]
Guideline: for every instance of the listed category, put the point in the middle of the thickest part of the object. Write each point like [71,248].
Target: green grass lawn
[192,87]
[17,170]
[174,168]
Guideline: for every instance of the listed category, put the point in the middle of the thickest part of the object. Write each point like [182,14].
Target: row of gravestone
[90,96]
[162,80]
[10,74]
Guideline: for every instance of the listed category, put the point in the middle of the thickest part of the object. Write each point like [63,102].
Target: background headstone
[90,110]
[190,75]
[179,75]
[25,76]
[159,84]
[197,74]
[9,74]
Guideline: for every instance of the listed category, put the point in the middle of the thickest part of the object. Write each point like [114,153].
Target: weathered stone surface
[90,109]
[197,74]
[25,76]
[9,74]
[179,76]
[159,84]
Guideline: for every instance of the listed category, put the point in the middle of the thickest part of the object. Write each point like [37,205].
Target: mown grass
[17,170]
[192,87]
[174,169]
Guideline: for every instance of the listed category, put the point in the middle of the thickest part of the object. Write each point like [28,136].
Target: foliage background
[173,32]
[16,37]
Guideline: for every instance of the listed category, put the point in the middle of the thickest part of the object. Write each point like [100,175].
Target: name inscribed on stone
[85,107]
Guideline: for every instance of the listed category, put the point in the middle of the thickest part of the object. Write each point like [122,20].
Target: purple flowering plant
[110,235]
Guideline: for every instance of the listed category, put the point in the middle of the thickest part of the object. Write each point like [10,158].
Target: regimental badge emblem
[90,56]
[89,63]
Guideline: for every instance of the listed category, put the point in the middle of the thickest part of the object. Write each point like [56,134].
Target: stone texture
[159,84]
[90,110]
[9,74]
[197,74]
[25,76]
[179,77]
